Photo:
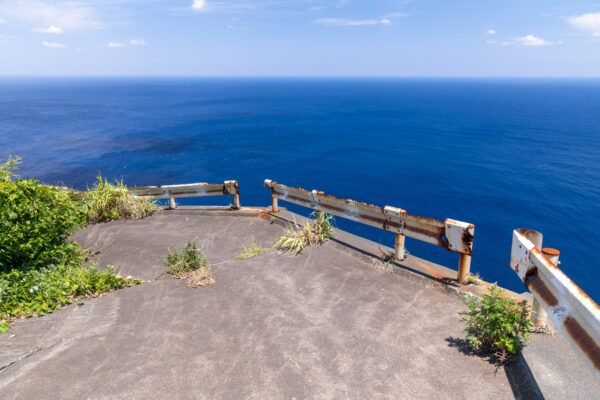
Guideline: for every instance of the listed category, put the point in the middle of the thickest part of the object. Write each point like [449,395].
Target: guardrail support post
[399,246]
[464,266]
[236,201]
[172,204]
[539,315]
[275,205]
[319,215]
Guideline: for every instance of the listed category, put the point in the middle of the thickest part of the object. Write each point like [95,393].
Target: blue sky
[300,38]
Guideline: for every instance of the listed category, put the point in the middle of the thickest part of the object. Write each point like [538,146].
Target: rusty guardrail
[573,312]
[453,235]
[172,192]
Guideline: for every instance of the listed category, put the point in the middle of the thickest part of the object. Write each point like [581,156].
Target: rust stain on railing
[453,235]
[573,312]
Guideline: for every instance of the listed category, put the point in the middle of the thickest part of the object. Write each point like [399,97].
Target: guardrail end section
[231,187]
[460,236]
[522,245]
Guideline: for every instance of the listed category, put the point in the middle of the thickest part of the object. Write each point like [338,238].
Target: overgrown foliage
[496,326]
[188,263]
[108,202]
[35,221]
[39,269]
[7,168]
[251,251]
[36,292]
[316,231]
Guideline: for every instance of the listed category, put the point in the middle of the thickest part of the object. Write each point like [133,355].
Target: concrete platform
[330,323]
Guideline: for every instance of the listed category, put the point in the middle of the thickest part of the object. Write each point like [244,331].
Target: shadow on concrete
[521,379]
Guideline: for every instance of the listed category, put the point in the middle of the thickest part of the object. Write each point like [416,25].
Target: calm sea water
[501,154]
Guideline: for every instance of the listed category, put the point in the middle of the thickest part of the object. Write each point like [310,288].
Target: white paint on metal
[391,219]
[574,314]
[457,233]
[184,190]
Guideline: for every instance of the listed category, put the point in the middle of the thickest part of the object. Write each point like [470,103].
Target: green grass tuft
[108,202]
[297,238]
[188,263]
[251,251]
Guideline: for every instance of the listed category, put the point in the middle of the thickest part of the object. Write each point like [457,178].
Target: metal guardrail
[575,315]
[453,235]
[172,192]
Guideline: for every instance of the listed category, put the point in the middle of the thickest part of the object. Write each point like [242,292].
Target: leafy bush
[313,232]
[39,270]
[35,221]
[108,202]
[496,325]
[189,263]
[7,168]
[251,251]
[36,292]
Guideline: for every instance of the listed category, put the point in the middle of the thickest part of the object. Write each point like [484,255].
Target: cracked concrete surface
[321,325]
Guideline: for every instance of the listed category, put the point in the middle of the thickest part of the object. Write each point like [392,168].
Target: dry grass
[297,237]
[251,251]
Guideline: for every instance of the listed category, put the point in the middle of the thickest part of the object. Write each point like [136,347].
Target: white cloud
[395,15]
[52,44]
[67,15]
[490,41]
[491,32]
[316,8]
[137,42]
[350,22]
[587,22]
[199,4]
[2,21]
[115,44]
[57,30]
[230,26]
[531,40]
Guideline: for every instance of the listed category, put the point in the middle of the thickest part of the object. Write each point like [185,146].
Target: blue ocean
[498,153]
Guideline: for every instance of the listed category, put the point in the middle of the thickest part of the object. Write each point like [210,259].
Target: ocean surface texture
[502,154]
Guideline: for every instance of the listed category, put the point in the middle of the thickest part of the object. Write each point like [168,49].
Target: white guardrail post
[454,235]
[573,312]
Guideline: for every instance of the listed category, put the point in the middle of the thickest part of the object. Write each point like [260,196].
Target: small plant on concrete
[108,202]
[251,251]
[496,326]
[272,219]
[189,264]
[316,231]
[473,279]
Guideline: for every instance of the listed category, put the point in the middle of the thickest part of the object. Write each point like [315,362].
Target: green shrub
[108,202]
[189,264]
[36,292]
[496,325]
[316,231]
[7,168]
[35,222]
